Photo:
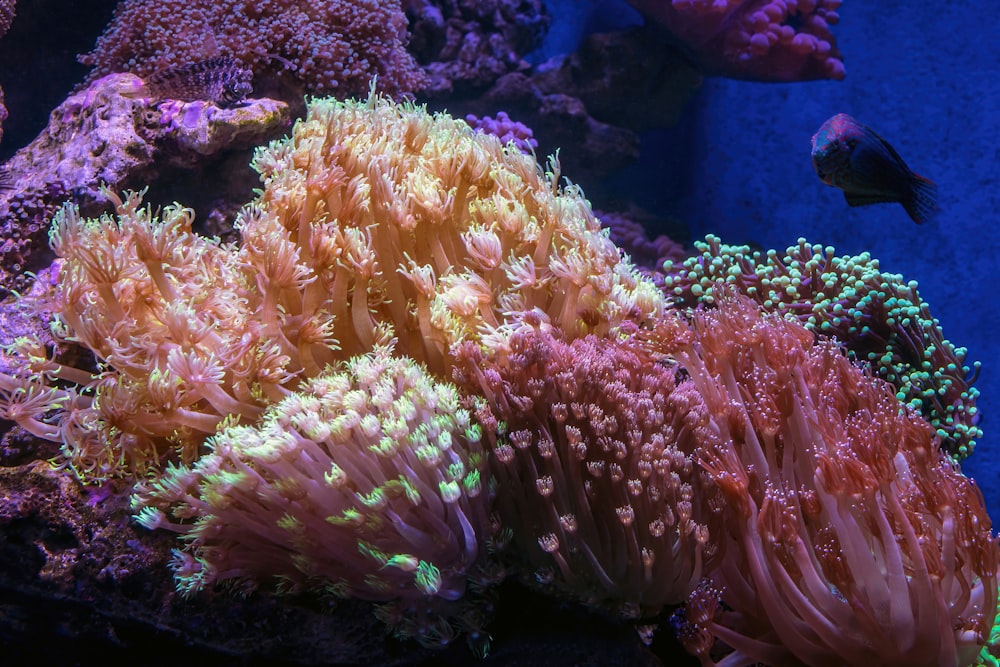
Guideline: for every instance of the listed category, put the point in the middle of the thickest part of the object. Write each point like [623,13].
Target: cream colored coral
[376,222]
[409,219]
[369,479]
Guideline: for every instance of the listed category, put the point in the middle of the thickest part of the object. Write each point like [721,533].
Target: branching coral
[851,538]
[595,467]
[881,320]
[370,482]
[328,46]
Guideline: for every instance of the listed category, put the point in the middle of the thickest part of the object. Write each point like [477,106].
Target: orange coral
[164,312]
[376,221]
[396,217]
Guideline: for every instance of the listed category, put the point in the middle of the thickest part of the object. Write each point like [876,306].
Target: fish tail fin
[920,201]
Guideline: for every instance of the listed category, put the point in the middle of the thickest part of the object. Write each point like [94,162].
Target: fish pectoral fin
[866,198]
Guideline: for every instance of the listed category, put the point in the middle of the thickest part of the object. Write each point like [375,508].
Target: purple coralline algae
[466,45]
[505,129]
[328,46]
[111,133]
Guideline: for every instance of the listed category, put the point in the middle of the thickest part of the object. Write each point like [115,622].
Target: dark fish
[6,178]
[221,80]
[852,157]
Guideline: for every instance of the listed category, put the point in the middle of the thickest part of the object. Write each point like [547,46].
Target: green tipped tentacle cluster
[879,318]
[370,481]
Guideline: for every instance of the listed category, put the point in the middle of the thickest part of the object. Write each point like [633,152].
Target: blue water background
[925,77]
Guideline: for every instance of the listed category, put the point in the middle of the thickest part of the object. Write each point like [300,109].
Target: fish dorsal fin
[889,149]
[870,158]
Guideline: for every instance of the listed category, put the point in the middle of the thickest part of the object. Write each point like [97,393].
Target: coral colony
[323,46]
[423,367]
[770,40]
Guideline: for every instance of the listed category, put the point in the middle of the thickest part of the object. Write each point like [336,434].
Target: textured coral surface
[760,40]
[328,46]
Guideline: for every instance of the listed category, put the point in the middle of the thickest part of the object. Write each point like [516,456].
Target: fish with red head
[852,157]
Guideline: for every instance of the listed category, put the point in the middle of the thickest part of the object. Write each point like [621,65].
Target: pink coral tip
[775,12]
[803,44]
[759,44]
[760,21]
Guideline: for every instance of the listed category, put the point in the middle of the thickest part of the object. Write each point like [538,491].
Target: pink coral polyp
[758,40]
[326,46]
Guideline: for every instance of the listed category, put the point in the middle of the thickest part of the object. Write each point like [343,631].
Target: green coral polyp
[273,502]
[879,317]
